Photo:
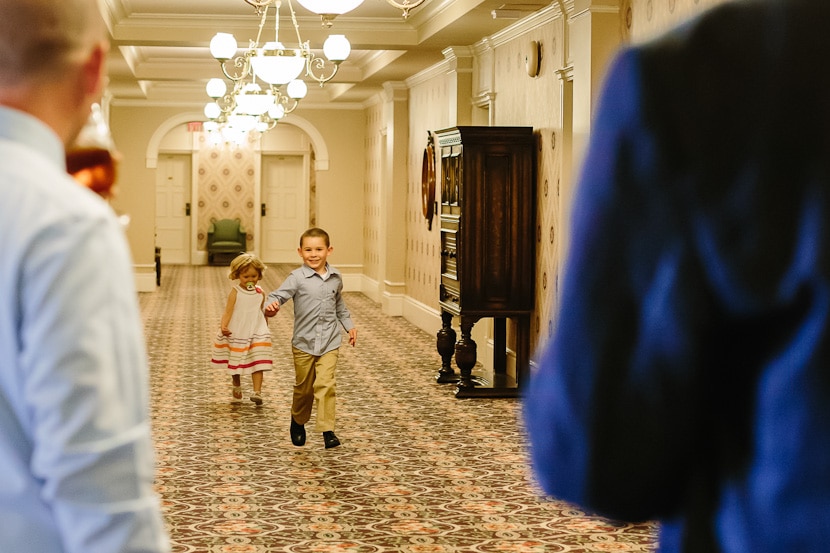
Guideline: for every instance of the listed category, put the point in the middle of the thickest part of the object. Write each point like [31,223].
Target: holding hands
[272,308]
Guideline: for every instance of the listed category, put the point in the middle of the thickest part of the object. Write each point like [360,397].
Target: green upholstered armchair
[225,236]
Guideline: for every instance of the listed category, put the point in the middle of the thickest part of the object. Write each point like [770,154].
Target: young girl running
[243,344]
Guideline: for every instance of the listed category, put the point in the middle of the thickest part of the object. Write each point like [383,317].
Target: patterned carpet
[419,471]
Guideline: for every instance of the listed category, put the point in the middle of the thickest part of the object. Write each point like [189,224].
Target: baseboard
[421,315]
[145,278]
[352,282]
[369,288]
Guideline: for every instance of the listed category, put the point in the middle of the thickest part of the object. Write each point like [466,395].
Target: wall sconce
[533,58]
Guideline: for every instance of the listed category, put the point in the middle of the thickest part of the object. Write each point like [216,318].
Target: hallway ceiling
[160,52]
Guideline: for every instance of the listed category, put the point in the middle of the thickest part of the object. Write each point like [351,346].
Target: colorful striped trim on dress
[242,354]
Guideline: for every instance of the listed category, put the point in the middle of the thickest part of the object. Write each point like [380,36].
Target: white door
[285,204]
[173,207]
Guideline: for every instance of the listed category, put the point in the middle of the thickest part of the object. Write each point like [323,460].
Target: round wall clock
[428,181]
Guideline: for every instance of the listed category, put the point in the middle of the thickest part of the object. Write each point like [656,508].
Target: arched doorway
[268,185]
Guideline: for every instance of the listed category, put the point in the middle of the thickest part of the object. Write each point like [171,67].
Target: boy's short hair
[242,262]
[315,232]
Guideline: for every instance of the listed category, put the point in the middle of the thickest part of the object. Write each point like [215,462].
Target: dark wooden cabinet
[488,260]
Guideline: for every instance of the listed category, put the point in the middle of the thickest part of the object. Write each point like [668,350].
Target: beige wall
[537,102]
[132,128]
[371,192]
[340,188]
[428,112]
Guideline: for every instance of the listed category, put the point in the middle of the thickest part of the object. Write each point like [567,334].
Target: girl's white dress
[248,348]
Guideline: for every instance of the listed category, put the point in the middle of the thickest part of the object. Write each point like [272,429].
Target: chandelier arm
[270,124]
[247,95]
[287,101]
[240,62]
[313,62]
[227,103]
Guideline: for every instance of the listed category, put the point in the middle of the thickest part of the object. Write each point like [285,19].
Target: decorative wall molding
[151,158]
[523,26]
[437,70]
[321,151]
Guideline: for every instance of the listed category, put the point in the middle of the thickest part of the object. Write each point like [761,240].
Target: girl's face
[248,275]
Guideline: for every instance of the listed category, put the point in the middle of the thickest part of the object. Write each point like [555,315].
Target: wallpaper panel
[522,100]
[375,141]
[428,111]
[226,187]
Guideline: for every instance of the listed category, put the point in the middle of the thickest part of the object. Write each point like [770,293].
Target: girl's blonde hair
[242,262]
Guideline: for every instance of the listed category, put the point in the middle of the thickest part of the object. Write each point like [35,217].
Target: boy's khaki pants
[314,381]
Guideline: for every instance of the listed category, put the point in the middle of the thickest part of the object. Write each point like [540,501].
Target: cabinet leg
[465,354]
[445,341]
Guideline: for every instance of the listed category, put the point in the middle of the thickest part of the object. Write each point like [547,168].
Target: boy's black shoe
[297,433]
[330,439]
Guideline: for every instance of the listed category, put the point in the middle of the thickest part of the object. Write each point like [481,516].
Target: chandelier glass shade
[334,7]
[223,46]
[216,88]
[276,65]
[252,100]
[337,48]
[329,9]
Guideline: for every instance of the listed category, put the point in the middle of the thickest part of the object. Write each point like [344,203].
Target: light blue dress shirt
[319,309]
[76,456]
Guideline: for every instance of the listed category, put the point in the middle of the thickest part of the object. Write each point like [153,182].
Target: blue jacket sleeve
[607,411]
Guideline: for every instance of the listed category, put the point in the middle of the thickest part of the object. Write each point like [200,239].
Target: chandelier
[266,78]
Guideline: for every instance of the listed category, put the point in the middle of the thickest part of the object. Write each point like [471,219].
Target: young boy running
[319,310]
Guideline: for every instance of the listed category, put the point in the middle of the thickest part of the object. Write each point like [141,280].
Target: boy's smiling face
[314,252]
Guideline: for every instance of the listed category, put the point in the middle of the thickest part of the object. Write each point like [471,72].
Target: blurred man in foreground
[75,452]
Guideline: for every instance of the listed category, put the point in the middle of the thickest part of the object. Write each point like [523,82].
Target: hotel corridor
[419,470]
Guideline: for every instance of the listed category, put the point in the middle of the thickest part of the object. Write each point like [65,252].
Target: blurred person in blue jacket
[688,380]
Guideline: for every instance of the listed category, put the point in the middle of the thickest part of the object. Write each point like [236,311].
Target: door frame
[306,184]
[192,253]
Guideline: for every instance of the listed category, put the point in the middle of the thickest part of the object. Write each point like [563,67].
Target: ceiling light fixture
[278,67]
[273,62]
[329,9]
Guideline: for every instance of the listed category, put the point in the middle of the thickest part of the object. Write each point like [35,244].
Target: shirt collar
[22,128]
[309,272]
